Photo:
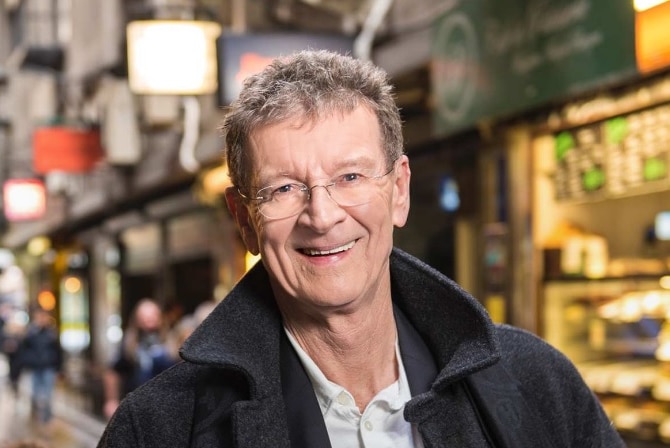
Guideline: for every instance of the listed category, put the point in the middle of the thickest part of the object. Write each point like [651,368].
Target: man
[40,353]
[336,338]
[144,353]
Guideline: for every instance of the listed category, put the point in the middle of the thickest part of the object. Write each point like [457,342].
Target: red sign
[24,199]
[242,55]
[68,149]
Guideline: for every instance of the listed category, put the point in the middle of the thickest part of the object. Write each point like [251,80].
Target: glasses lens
[288,200]
[350,194]
[277,203]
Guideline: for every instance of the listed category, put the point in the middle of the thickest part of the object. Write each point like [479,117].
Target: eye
[284,191]
[350,179]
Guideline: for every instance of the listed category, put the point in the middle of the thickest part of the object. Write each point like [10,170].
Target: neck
[355,350]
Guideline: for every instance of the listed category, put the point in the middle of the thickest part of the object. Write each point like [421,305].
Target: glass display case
[617,332]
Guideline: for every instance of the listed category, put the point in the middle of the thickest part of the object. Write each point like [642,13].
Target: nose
[311,189]
[321,211]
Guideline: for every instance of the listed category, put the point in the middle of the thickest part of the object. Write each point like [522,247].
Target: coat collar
[454,325]
[243,332]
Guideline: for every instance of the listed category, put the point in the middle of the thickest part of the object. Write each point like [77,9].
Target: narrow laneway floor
[70,427]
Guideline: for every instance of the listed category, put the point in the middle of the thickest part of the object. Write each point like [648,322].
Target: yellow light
[72,284]
[665,282]
[643,5]
[250,260]
[38,245]
[216,180]
[172,57]
[46,300]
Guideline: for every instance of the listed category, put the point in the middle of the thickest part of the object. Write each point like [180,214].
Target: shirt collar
[327,392]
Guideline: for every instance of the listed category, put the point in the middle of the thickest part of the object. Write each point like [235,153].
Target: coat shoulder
[552,385]
[176,408]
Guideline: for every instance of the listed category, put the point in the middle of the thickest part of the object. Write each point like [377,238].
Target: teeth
[329,252]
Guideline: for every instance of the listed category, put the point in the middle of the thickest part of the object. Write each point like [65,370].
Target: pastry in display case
[617,332]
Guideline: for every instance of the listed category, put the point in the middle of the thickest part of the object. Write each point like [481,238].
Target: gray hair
[309,84]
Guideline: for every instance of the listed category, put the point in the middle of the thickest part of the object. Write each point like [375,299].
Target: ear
[401,192]
[240,211]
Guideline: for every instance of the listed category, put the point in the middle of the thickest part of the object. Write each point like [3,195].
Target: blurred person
[203,310]
[40,354]
[179,332]
[144,354]
[187,324]
[173,313]
[13,336]
[10,338]
[337,338]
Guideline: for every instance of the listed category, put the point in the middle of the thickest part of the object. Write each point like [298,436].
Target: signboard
[621,156]
[491,58]
[242,55]
[71,149]
[652,37]
[172,57]
[75,334]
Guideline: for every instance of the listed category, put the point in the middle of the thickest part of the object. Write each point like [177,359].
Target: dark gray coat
[474,384]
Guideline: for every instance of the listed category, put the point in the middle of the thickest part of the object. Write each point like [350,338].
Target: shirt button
[368,425]
[343,399]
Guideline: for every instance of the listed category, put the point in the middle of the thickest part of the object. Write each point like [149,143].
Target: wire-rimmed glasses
[286,200]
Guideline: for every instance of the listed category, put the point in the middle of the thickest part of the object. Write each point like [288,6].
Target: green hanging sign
[492,58]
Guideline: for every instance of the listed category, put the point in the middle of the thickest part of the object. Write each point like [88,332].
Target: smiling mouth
[336,250]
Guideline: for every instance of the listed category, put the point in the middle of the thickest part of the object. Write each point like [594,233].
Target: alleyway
[70,428]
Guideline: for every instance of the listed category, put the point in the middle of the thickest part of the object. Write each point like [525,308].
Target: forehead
[337,138]
[148,309]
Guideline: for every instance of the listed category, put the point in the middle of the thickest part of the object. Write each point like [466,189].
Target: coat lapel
[305,421]
[419,364]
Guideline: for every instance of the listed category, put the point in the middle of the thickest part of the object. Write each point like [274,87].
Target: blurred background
[538,134]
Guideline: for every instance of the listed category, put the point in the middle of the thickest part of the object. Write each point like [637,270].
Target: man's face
[326,258]
[149,317]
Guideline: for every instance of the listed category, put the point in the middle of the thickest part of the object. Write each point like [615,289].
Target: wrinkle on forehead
[356,149]
[306,120]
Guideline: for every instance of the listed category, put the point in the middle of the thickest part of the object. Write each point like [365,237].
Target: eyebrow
[357,161]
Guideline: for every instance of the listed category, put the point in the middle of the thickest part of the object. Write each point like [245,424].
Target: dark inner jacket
[40,349]
[474,384]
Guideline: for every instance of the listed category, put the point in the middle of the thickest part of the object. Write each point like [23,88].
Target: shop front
[601,202]
[572,104]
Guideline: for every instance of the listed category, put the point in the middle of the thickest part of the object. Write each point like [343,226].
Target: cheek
[268,236]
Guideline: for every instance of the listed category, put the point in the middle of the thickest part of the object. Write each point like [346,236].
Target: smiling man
[336,338]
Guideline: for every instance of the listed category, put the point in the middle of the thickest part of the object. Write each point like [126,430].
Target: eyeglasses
[347,190]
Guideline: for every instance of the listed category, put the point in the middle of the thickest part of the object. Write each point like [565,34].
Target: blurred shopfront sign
[66,148]
[623,155]
[652,34]
[242,55]
[75,334]
[24,199]
[491,59]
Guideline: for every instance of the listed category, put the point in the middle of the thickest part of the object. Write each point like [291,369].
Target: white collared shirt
[380,425]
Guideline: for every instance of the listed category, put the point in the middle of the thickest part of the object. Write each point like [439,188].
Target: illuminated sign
[64,148]
[652,36]
[243,55]
[24,199]
[172,57]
